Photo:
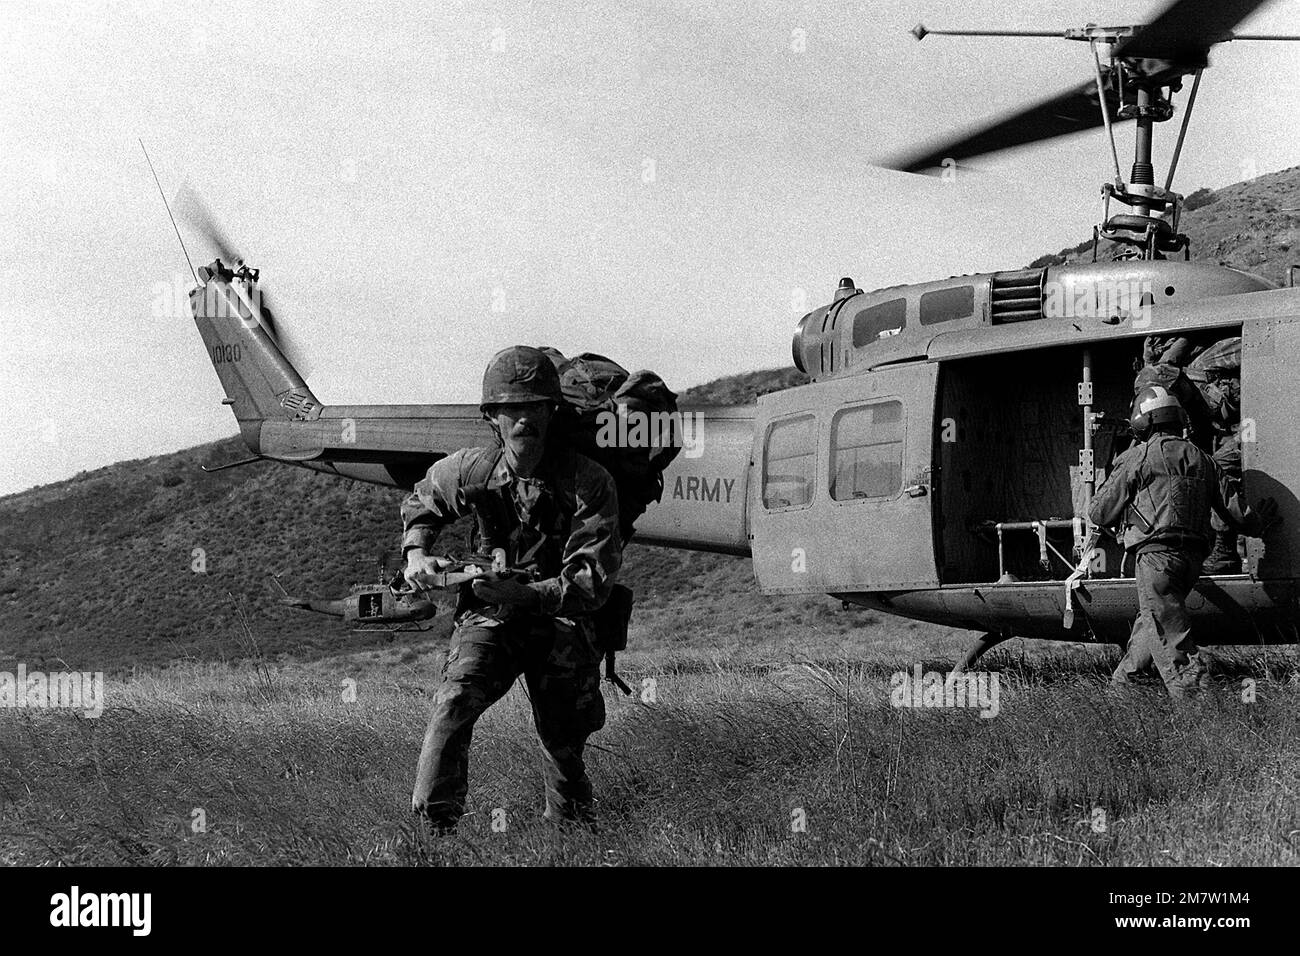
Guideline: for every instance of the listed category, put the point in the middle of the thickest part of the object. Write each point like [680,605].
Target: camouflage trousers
[1223,557]
[561,670]
[1162,632]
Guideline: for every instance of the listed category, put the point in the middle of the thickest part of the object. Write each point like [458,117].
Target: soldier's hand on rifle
[419,564]
[507,591]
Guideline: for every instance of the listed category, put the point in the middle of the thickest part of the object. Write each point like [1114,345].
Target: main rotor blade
[1072,111]
[1187,29]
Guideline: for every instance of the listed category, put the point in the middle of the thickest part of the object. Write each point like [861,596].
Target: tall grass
[801,762]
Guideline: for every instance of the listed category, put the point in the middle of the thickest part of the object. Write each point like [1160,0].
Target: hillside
[100,569]
[98,574]
[742,389]
[1253,225]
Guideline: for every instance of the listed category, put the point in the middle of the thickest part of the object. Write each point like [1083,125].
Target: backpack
[597,391]
[1216,372]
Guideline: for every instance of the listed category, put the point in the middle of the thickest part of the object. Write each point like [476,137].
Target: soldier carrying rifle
[552,517]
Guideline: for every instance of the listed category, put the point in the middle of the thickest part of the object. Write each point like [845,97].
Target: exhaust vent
[1017,296]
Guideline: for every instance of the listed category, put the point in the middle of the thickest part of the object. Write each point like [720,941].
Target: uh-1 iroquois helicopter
[369,607]
[388,604]
[939,464]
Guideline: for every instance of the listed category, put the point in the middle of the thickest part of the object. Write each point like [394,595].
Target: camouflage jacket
[568,510]
[1164,489]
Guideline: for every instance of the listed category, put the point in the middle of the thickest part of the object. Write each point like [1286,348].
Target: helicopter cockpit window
[867,451]
[945,305]
[789,463]
[879,321]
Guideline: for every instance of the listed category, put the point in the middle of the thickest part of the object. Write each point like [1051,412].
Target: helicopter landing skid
[976,651]
[385,628]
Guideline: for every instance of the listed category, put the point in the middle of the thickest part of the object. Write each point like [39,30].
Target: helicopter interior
[1009,429]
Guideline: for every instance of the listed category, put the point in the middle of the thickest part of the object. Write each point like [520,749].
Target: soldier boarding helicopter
[940,464]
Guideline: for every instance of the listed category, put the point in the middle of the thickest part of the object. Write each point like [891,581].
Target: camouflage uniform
[1165,489]
[1224,557]
[1173,349]
[1216,373]
[564,526]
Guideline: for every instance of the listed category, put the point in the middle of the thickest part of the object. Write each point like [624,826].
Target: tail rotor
[196,214]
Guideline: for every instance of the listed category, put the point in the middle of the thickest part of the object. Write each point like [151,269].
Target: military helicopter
[940,463]
[368,607]
[380,606]
[389,604]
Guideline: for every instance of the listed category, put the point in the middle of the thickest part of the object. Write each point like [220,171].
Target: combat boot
[440,823]
[1191,681]
[1223,559]
[574,814]
[573,807]
[436,829]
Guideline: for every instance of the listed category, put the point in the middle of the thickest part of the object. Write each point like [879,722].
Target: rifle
[459,570]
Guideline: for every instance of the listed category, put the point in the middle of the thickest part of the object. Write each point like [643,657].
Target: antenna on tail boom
[169,213]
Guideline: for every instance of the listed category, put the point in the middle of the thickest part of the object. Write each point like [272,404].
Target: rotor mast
[1144,67]
[1122,89]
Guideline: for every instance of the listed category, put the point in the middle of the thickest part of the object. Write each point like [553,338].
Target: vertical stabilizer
[239,332]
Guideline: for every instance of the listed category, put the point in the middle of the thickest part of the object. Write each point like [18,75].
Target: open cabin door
[1270,451]
[841,498]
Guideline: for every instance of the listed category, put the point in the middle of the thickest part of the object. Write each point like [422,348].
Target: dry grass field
[759,756]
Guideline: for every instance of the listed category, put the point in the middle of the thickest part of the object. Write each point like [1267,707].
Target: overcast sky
[668,183]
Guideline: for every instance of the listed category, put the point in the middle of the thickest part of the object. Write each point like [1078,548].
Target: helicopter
[391,605]
[379,606]
[368,607]
[939,464]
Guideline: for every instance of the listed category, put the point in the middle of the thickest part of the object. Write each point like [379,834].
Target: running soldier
[554,514]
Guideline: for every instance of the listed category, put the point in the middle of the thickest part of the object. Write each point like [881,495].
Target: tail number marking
[221,354]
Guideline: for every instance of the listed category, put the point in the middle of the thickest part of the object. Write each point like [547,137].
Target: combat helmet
[519,374]
[1155,405]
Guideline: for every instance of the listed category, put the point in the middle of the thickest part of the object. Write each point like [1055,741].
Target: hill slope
[1253,225]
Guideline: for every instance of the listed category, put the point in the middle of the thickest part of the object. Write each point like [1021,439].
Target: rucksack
[600,395]
[597,392]
[1216,372]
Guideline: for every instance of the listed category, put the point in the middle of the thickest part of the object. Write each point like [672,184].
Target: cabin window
[789,463]
[946,305]
[867,451]
[370,605]
[879,321]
